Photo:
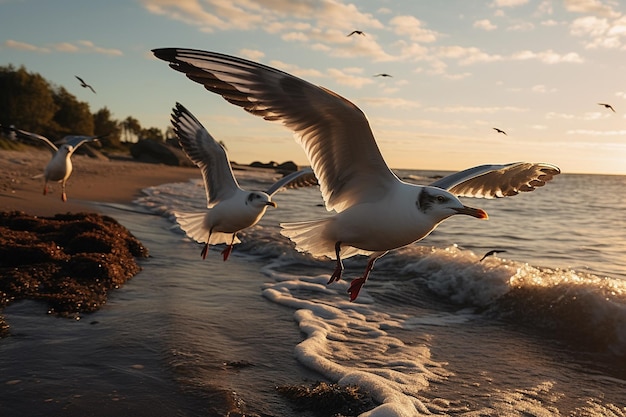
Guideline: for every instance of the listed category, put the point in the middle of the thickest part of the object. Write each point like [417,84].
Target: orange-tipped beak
[271,203]
[474,212]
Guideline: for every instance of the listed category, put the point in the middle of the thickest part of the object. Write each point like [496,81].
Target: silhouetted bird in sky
[84,84]
[499,130]
[608,106]
[383,75]
[356,32]
[491,252]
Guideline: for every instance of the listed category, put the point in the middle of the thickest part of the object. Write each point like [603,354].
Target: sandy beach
[112,181]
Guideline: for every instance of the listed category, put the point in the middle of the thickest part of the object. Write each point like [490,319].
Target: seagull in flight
[84,84]
[231,209]
[356,32]
[608,106]
[491,252]
[375,211]
[499,131]
[383,74]
[60,167]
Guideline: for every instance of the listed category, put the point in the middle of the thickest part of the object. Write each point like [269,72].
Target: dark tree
[73,116]
[26,100]
[103,124]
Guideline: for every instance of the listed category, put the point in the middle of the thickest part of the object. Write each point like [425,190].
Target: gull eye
[441,199]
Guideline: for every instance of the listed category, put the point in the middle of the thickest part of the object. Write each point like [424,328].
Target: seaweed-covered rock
[328,400]
[69,261]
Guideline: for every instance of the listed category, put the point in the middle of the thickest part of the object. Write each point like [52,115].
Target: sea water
[539,329]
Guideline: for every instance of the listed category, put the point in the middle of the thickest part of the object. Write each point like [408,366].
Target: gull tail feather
[193,226]
[309,237]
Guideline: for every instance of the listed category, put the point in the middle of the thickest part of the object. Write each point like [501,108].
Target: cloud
[476,110]
[391,102]
[594,7]
[247,15]
[485,24]
[22,46]
[600,32]
[252,54]
[412,28]
[547,57]
[344,78]
[65,47]
[509,3]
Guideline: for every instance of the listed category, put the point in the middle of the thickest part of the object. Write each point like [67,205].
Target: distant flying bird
[356,32]
[382,74]
[608,106]
[84,84]
[231,209]
[375,211]
[499,130]
[60,167]
[491,252]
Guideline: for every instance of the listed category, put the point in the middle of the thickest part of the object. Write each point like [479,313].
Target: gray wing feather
[207,154]
[303,178]
[31,137]
[77,140]
[493,181]
[334,133]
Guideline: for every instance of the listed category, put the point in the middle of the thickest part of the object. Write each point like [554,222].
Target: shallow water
[537,330]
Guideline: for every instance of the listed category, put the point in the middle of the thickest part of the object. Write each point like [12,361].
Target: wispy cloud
[23,46]
[485,24]
[64,47]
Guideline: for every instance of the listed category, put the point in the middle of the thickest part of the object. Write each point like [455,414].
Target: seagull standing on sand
[60,167]
[84,84]
[231,209]
[608,106]
[375,211]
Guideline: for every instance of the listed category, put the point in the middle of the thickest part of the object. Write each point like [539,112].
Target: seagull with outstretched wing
[84,84]
[60,167]
[231,208]
[375,211]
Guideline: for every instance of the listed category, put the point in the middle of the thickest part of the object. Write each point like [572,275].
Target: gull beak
[271,203]
[474,212]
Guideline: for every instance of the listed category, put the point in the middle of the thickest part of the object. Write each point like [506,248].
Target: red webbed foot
[336,276]
[355,287]
[226,252]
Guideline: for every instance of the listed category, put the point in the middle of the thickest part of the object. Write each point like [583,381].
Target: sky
[535,69]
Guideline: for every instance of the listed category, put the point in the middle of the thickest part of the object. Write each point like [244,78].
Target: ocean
[537,330]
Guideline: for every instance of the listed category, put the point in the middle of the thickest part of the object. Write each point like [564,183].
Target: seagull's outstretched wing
[491,181]
[207,154]
[303,178]
[77,140]
[30,137]
[334,133]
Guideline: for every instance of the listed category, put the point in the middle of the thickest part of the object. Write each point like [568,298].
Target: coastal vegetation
[30,102]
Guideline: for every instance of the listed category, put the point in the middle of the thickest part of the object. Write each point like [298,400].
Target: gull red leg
[205,250]
[63,195]
[336,276]
[229,248]
[357,283]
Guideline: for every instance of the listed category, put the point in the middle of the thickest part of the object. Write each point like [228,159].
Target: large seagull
[375,211]
[230,208]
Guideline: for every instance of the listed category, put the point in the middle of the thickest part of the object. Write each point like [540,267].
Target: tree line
[29,102]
